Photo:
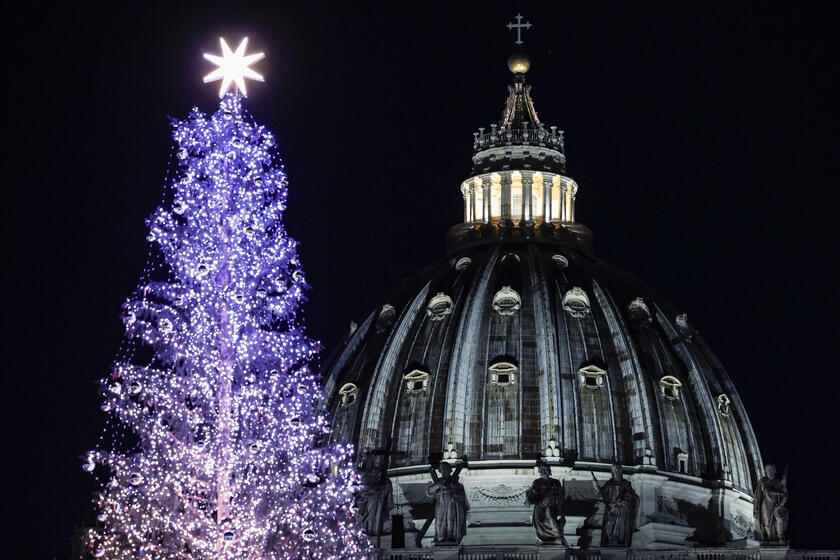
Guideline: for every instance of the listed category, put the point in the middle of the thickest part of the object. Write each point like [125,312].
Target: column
[547,182]
[564,210]
[505,197]
[572,193]
[466,194]
[527,183]
[486,187]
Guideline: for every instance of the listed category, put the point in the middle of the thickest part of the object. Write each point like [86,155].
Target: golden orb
[519,62]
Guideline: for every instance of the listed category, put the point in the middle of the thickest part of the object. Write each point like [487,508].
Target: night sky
[704,140]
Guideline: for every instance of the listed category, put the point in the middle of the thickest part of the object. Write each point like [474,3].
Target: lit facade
[519,345]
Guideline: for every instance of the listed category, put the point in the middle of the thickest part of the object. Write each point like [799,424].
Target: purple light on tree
[213,446]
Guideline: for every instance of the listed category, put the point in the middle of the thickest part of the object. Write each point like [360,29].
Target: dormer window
[503,373]
[560,260]
[723,404]
[386,318]
[683,328]
[439,307]
[510,259]
[576,303]
[416,381]
[682,461]
[670,387]
[348,393]
[506,302]
[591,376]
[639,311]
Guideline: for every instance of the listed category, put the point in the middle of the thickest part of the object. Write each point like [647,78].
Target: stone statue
[771,515]
[621,503]
[547,495]
[376,498]
[450,504]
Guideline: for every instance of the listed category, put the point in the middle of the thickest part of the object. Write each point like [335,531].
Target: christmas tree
[214,446]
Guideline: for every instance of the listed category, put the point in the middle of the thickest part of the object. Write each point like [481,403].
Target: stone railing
[540,136]
[535,552]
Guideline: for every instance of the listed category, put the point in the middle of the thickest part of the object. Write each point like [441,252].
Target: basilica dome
[521,344]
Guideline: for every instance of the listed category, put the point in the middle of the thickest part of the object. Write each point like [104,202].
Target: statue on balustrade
[621,504]
[771,515]
[451,504]
[376,498]
[547,495]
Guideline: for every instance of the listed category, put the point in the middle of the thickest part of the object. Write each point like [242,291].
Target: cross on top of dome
[519,124]
[519,26]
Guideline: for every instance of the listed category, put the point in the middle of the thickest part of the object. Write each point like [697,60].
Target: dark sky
[704,139]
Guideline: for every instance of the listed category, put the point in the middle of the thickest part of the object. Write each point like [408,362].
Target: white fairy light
[215,446]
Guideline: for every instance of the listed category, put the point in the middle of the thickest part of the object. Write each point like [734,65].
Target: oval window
[506,301]
[439,307]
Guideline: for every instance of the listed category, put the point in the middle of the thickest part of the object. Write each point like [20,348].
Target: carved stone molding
[439,307]
[451,454]
[562,261]
[499,494]
[506,302]
[639,311]
[591,376]
[685,330]
[723,404]
[503,373]
[576,303]
[552,451]
[416,381]
[670,387]
[387,316]
[348,393]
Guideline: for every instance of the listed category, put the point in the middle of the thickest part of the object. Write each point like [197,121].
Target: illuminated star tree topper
[233,67]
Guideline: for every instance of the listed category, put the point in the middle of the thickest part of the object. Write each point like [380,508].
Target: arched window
[416,381]
[670,387]
[591,376]
[348,393]
[503,373]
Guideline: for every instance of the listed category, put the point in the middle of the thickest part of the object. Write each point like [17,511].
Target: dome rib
[628,361]
[376,405]
[627,420]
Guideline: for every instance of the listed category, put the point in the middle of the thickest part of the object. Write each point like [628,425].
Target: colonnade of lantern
[520,196]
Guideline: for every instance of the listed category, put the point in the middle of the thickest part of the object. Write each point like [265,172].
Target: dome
[521,344]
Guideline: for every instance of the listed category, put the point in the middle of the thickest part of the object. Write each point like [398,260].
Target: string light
[216,447]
